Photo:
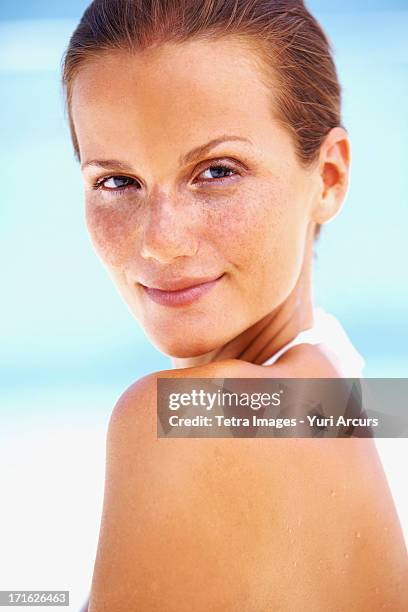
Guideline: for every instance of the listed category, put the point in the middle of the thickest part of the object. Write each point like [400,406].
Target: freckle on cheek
[111,233]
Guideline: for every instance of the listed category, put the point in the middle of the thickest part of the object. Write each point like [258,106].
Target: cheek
[112,229]
[262,235]
[259,221]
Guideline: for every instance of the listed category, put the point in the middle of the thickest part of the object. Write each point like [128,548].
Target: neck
[259,342]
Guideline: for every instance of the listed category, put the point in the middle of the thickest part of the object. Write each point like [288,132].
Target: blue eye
[118,184]
[218,171]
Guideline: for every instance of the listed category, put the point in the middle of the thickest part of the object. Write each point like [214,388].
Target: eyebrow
[107,164]
[183,159]
[203,149]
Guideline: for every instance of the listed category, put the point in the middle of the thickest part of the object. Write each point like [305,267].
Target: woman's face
[189,177]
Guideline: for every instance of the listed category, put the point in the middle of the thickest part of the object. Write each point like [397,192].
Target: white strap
[327,330]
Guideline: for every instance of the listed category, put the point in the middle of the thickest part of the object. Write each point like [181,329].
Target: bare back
[248,525]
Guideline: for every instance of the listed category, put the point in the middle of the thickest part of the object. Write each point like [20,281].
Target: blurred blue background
[69,346]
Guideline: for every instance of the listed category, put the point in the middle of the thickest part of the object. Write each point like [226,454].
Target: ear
[333,170]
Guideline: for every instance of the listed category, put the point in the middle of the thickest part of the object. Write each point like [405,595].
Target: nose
[168,231]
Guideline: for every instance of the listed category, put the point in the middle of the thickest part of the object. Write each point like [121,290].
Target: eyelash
[118,191]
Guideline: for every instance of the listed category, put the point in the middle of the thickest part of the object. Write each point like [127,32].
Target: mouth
[180,297]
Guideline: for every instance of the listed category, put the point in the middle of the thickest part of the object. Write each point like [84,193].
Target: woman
[209,136]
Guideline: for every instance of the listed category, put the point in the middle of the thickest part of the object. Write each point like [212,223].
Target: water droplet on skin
[295,564]
[332,493]
[357,534]
[346,555]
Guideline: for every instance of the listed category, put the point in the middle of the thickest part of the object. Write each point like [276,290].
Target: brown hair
[291,45]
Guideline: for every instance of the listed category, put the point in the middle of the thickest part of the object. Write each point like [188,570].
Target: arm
[242,524]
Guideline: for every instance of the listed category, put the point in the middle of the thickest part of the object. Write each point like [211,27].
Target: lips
[179,283]
[180,292]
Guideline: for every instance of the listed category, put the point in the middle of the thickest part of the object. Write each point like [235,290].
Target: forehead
[169,94]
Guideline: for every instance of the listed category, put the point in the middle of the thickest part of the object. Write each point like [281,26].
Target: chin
[184,347]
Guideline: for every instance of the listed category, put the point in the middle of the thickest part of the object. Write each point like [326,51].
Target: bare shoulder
[223,524]
[301,361]
[139,398]
[138,401]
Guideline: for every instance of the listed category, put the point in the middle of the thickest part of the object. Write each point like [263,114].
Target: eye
[217,172]
[116,184]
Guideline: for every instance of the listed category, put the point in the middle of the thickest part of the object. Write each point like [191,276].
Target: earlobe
[334,164]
